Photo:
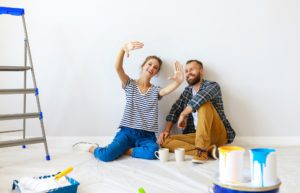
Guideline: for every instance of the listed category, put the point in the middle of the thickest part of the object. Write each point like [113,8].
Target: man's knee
[206,108]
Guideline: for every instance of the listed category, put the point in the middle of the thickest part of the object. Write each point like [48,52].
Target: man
[200,113]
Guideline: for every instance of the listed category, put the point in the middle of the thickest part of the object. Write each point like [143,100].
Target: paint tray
[16,187]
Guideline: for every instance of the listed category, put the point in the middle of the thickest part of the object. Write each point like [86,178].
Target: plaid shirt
[209,91]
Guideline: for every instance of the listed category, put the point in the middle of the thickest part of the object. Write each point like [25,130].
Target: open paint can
[263,167]
[231,162]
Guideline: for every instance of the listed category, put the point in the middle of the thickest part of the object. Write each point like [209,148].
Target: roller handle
[63,173]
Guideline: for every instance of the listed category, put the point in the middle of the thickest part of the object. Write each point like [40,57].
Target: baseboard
[267,141]
[239,140]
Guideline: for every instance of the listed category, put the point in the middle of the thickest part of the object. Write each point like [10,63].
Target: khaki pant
[210,131]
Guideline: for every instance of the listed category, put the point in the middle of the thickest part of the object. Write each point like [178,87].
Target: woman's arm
[177,77]
[119,63]
[119,67]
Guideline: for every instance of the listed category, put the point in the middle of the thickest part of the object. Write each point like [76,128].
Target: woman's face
[151,67]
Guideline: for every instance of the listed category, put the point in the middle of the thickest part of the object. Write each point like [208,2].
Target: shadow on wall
[235,105]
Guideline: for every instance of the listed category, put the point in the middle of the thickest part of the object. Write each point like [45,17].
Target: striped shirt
[141,110]
[209,91]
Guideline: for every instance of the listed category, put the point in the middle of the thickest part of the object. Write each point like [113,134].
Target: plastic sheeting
[127,175]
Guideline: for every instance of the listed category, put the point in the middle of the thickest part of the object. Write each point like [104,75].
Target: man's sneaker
[213,152]
[201,157]
[84,146]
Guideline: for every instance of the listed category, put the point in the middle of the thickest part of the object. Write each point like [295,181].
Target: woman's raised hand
[132,46]
[178,73]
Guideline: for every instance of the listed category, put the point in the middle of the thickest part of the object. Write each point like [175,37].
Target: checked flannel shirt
[209,91]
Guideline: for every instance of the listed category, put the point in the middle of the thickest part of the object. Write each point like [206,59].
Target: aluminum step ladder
[25,115]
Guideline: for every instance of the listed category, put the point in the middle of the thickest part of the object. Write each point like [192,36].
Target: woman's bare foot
[92,149]
[129,152]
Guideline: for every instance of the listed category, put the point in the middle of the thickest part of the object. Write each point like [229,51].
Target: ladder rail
[25,86]
[34,81]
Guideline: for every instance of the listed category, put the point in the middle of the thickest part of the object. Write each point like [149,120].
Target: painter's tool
[45,184]
[141,190]
[63,173]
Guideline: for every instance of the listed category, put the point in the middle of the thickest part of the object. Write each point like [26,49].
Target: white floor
[127,174]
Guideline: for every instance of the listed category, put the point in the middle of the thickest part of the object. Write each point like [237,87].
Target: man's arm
[178,107]
[207,94]
[194,104]
[165,133]
[183,117]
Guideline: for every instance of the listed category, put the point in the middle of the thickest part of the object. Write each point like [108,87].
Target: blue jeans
[143,143]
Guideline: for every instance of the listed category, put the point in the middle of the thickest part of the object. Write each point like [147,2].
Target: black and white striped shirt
[141,110]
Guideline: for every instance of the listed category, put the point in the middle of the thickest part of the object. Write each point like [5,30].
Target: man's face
[193,73]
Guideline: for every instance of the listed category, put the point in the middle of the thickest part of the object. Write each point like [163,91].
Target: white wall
[250,47]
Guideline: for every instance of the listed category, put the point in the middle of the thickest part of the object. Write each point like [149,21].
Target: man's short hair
[197,61]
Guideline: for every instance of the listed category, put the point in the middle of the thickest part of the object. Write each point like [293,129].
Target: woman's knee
[146,152]
[150,151]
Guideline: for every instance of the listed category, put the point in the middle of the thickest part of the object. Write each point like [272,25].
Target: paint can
[219,187]
[263,167]
[231,162]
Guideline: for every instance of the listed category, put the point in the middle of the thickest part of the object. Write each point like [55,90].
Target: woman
[140,119]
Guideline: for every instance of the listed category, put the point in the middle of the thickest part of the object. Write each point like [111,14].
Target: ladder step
[20,116]
[14,68]
[17,91]
[11,131]
[22,142]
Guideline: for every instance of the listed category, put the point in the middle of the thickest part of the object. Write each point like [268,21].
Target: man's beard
[194,81]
